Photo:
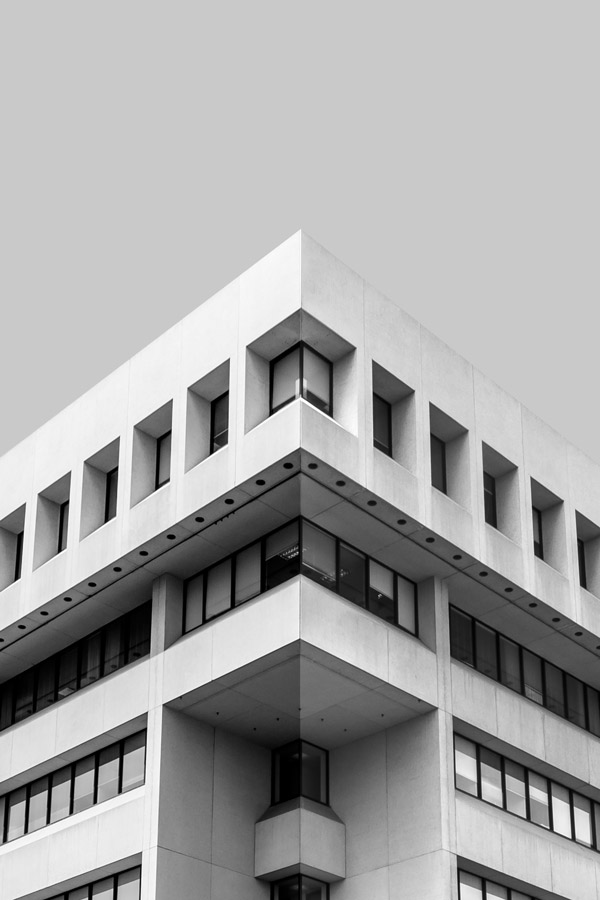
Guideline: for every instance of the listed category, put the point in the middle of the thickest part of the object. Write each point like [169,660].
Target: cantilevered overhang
[313,665]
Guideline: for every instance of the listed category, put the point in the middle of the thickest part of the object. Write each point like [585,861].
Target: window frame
[387,449]
[301,346]
[63,526]
[18,571]
[490,502]
[582,563]
[112,478]
[213,412]
[537,520]
[159,459]
[440,445]
[298,742]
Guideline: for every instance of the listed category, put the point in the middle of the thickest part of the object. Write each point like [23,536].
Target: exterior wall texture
[91,528]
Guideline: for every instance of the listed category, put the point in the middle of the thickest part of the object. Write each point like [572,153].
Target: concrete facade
[216,694]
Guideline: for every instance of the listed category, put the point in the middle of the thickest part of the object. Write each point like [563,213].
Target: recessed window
[100,488]
[538,532]
[382,424]
[299,887]
[438,464]
[489,495]
[163,459]
[581,563]
[11,547]
[219,422]
[52,521]
[588,554]
[110,494]
[63,526]
[300,769]
[301,372]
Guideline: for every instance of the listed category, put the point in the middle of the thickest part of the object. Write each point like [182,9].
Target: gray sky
[150,152]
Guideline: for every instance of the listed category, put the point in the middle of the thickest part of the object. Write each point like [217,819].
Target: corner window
[438,464]
[163,460]
[219,422]
[489,496]
[299,887]
[382,425]
[301,372]
[300,769]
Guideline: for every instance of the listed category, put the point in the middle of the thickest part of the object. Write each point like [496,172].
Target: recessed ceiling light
[199,519]
[67,599]
[260,481]
[288,465]
[44,612]
[340,483]
[143,553]
[533,605]
[508,590]
[401,521]
[91,584]
[483,574]
[457,556]
[229,501]
[171,537]
[371,502]
[22,627]
[578,633]
[430,540]
[556,619]
[117,569]
[313,466]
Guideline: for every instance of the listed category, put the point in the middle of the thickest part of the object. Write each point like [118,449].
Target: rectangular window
[465,765]
[352,575]
[489,494]
[561,810]
[15,814]
[67,671]
[128,885]
[593,705]
[487,656]
[103,890]
[108,774]
[60,795]
[282,560]
[514,777]
[110,501]
[218,590]
[538,541]
[91,659]
[134,760]
[510,664]
[45,692]
[63,526]
[532,677]
[301,372]
[575,701]
[299,769]
[318,555]
[382,425]
[138,643]
[18,555]
[247,574]
[581,561]
[38,805]
[194,602]
[24,695]
[163,460]
[114,648]
[555,692]
[471,886]
[381,592]
[406,604]
[83,785]
[461,637]
[538,800]
[219,422]
[491,776]
[438,464]
[582,814]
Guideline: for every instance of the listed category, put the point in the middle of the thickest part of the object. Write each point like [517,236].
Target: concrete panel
[331,291]
[301,839]
[229,885]
[373,884]
[270,290]
[330,442]
[447,380]
[273,439]
[387,478]
[474,698]
[428,877]
[180,876]
[502,555]
[242,786]
[392,337]
[358,788]
[451,521]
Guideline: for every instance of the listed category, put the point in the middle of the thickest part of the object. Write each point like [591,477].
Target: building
[298,604]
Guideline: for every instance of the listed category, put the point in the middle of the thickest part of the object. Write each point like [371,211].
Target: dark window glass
[24,695]
[299,887]
[38,804]
[407,604]
[471,886]
[593,705]
[91,659]
[581,560]
[301,373]
[491,776]
[108,773]
[110,504]
[285,379]
[461,637]
[67,671]
[15,813]
[134,756]
[489,494]
[597,824]
[282,560]
[538,541]
[514,776]
[163,459]
[532,677]
[114,647]
[381,592]
[6,705]
[81,893]
[139,633]
[485,644]
[299,769]
[128,885]
[555,692]
[60,795]
[45,692]
[465,765]
[561,810]
[382,425]
[352,575]
[510,664]
[495,891]
[219,422]
[582,815]
[318,555]
[538,800]
[218,589]
[575,701]
[194,602]
[63,526]
[18,555]
[83,785]
[103,890]
[438,464]
[247,574]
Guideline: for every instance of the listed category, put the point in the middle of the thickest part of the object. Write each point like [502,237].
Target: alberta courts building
[297,604]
